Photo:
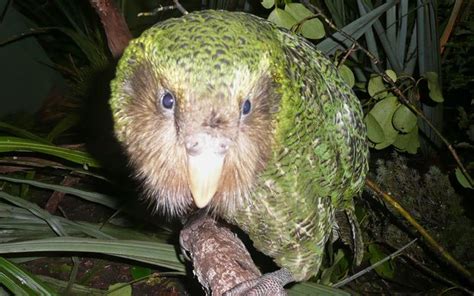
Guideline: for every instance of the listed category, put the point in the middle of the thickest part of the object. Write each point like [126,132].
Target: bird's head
[194,112]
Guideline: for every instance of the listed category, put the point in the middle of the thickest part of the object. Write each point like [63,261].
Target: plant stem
[435,246]
[397,91]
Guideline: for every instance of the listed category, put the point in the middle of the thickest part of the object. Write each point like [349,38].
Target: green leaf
[120,289]
[355,29]
[106,200]
[268,3]
[298,11]
[308,288]
[310,28]
[8,144]
[408,142]
[327,274]
[160,254]
[434,87]
[347,75]
[20,282]
[462,179]
[313,29]
[22,133]
[386,269]
[404,119]
[139,272]
[282,18]
[374,130]
[390,73]
[65,124]
[383,113]
[377,88]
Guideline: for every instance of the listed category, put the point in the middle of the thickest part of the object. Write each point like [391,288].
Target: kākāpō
[226,111]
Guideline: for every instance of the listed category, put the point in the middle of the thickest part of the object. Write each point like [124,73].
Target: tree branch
[220,259]
[115,26]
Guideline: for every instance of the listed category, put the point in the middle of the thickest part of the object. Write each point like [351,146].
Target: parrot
[227,112]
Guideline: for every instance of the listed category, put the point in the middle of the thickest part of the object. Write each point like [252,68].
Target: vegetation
[59,195]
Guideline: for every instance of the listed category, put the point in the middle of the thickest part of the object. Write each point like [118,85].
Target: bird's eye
[167,101]
[246,107]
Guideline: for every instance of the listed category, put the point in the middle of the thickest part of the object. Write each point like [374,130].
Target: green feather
[319,151]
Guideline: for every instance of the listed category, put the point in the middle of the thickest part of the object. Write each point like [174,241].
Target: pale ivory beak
[204,174]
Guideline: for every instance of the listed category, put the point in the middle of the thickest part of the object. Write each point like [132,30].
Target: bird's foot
[270,284]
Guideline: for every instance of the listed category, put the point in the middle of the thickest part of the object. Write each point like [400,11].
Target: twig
[156,10]
[370,268]
[428,238]
[346,55]
[56,197]
[159,9]
[434,274]
[455,12]
[397,91]
[180,7]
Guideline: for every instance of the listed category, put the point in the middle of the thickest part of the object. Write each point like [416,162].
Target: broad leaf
[377,88]
[434,87]
[391,74]
[408,142]
[383,113]
[374,130]
[268,3]
[404,119]
[282,18]
[462,179]
[347,75]
[311,28]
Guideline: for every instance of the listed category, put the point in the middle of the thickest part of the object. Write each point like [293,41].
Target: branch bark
[115,26]
[220,259]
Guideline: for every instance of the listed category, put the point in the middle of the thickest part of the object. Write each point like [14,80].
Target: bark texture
[220,259]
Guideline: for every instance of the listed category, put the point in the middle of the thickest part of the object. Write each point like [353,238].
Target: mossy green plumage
[317,157]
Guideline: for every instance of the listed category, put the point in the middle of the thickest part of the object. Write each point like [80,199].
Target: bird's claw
[270,284]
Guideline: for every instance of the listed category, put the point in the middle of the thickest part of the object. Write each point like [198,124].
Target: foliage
[459,56]
[297,17]
[78,48]
[73,38]
[402,42]
[431,199]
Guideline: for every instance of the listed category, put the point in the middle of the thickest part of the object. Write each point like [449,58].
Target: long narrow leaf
[8,144]
[315,289]
[19,132]
[369,36]
[402,30]
[20,282]
[159,254]
[412,57]
[420,25]
[94,197]
[63,125]
[58,224]
[355,29]
[391,26]
[388,48]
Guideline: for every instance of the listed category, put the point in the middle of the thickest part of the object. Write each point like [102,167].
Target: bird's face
[195,136]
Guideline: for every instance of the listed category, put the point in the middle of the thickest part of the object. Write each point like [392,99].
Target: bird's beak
[204,174]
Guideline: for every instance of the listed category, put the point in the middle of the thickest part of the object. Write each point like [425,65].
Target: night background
[73,221]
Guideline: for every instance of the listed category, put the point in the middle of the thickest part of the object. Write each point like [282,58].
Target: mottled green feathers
[296,160]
